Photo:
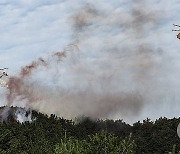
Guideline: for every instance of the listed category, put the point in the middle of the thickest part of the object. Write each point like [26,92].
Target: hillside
[50,134]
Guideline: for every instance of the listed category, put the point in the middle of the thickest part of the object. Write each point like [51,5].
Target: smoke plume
[14,115]
[111,68]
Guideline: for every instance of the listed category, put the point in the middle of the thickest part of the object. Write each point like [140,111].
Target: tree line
[52,134]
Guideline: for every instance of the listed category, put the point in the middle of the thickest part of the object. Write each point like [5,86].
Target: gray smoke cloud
[110,69]
[4,114]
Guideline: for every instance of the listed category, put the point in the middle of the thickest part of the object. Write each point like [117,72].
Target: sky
[121,53]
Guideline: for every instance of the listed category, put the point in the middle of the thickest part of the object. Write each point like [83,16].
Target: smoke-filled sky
[121,57]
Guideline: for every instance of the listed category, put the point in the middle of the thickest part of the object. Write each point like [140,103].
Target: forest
[52,134]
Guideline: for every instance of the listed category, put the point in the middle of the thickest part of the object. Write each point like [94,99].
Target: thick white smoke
[15,114]
[22,115]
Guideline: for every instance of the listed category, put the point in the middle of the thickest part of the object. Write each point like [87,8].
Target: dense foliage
[50,134]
